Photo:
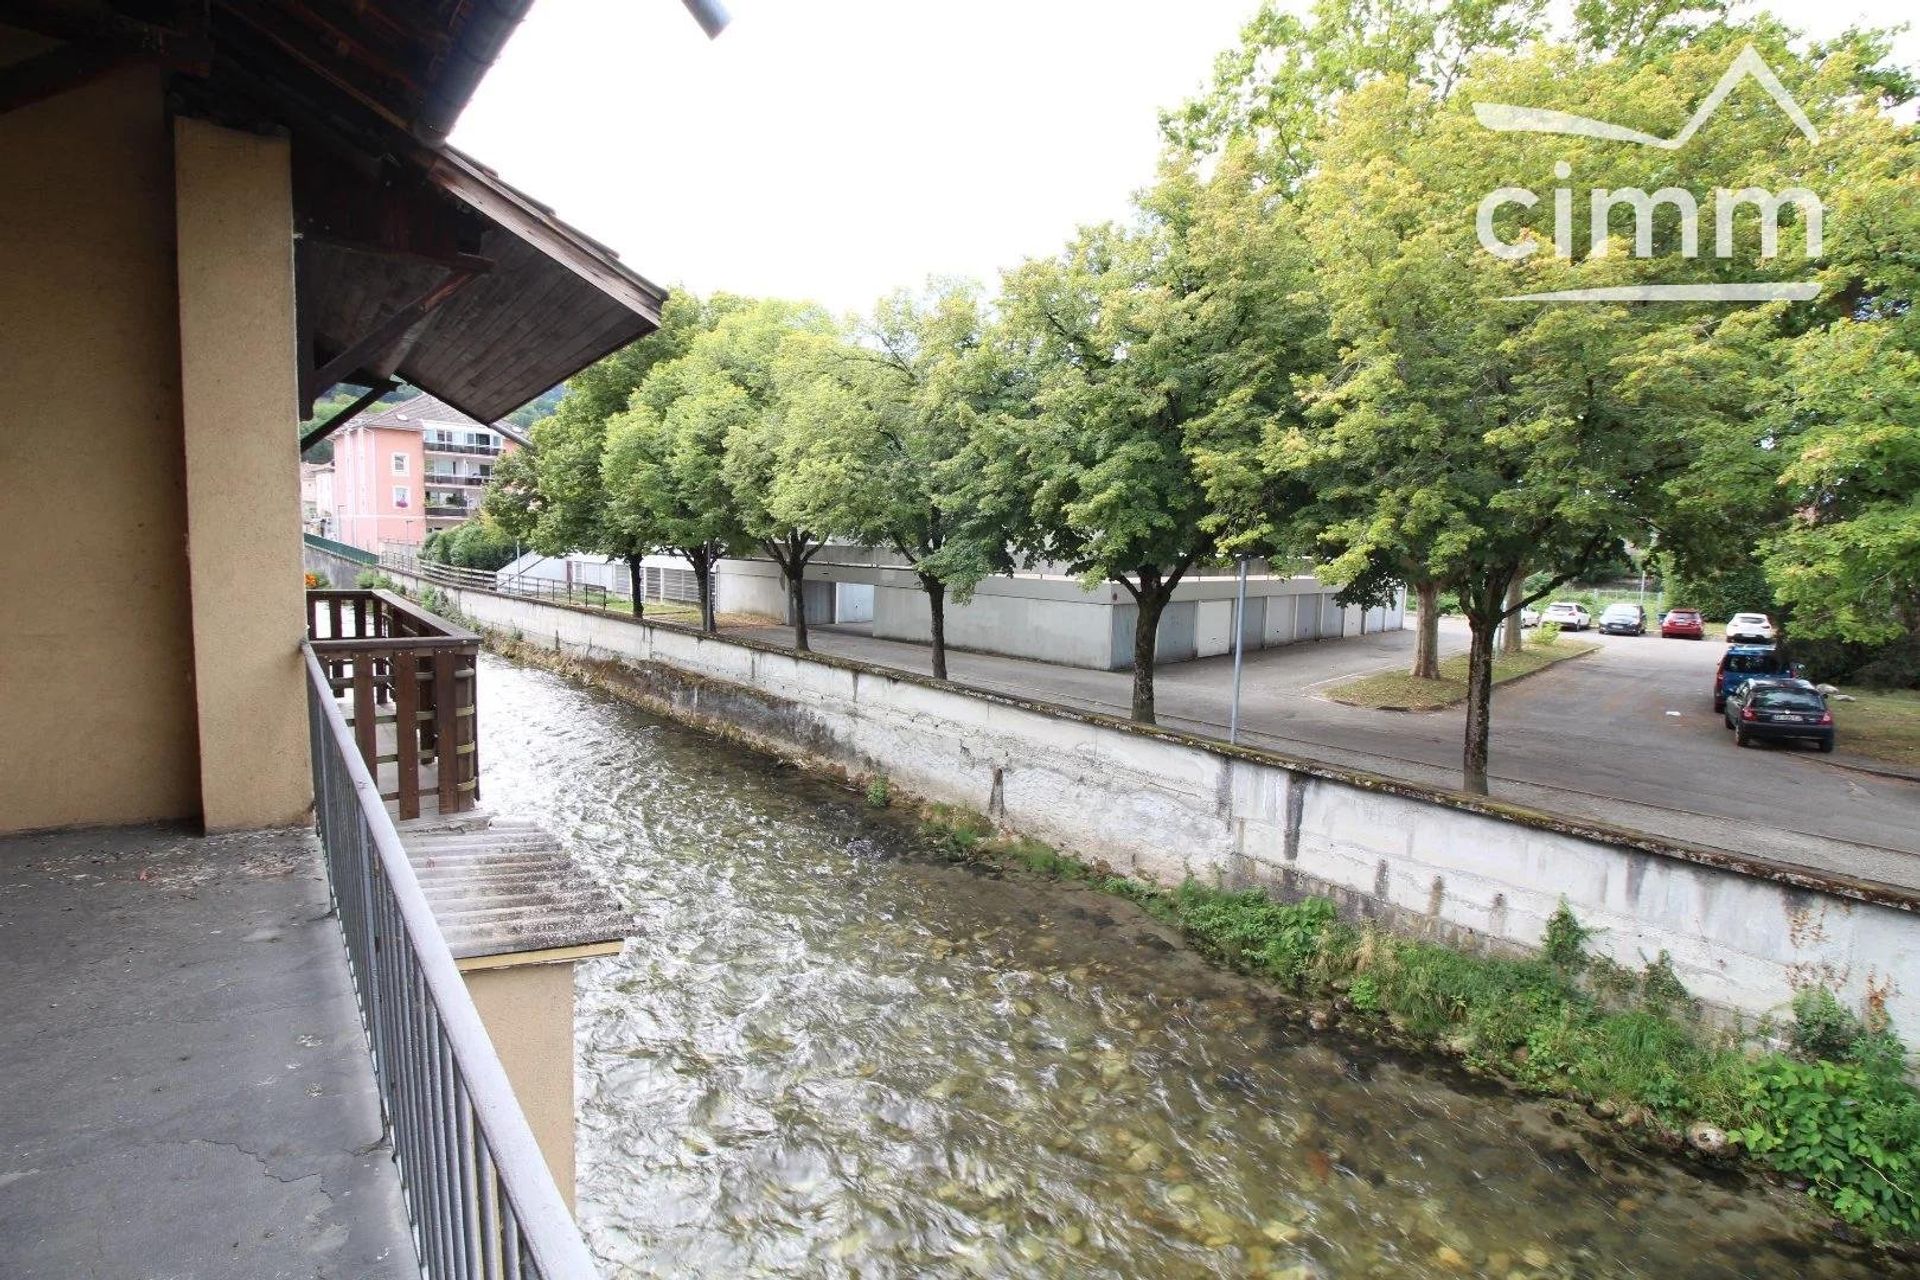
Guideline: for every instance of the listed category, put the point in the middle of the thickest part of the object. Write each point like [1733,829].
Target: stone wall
[1742,935]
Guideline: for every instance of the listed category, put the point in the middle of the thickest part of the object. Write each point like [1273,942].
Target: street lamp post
[1239,645]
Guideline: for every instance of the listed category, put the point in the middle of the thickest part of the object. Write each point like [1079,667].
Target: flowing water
[831,1052]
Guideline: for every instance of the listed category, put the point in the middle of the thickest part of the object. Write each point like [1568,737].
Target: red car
[1685,624]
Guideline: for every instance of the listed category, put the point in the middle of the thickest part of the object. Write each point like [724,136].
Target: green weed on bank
[1835,1111]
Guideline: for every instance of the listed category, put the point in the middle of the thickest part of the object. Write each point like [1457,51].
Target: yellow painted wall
[234,219]
[96,692]
[528,1010]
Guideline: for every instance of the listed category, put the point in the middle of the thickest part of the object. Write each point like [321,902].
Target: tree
[1490,434]
[663,469]
[556,499]
[878,427]
[475,544]
[740,359]
[1156,357]
[1277,87]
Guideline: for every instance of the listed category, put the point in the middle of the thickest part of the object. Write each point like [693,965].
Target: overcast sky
[839,149]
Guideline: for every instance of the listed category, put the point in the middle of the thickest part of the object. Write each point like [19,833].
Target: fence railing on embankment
[408,678]
[478,1192]
[551,590]
[344,550]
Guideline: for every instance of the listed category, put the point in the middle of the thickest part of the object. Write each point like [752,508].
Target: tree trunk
[703,577]
[1473,765]
[636,579]
[1146,636]
[937,610]
[1513,634]
[797,602]
[1426,645]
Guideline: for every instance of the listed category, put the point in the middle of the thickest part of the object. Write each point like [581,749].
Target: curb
[1447,706]
[1892,771]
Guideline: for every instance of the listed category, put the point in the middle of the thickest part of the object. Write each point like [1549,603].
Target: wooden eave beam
[98,42]
[346,415]
[388,334]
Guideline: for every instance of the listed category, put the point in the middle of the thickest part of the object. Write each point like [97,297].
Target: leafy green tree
[1277,87]
[878,427]
[663,469]
[1846,564]
[474,544]
[556,500]
[740,361]
[1156,358]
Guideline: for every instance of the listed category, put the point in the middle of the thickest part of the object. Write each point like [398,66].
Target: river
[831,1052]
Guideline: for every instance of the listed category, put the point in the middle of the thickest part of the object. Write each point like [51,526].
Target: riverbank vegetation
[1830,1109]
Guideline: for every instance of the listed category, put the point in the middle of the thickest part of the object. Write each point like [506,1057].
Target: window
[399,464]
[402,495]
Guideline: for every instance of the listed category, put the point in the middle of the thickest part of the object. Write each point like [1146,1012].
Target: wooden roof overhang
[414,261]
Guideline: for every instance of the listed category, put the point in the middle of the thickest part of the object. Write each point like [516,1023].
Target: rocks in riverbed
[1708,1140]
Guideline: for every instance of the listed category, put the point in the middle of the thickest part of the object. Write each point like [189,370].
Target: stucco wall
[234,214]
[528,1012]
[96,691]
[1165,805]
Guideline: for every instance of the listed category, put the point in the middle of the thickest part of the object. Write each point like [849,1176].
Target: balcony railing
[430,445]
[408,681]
[478,1192]
[453,478]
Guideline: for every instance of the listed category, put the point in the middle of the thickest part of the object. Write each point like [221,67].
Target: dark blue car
[1744,662]
[1767,710]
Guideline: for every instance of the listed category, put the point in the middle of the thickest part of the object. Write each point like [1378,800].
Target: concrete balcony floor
[184,1085]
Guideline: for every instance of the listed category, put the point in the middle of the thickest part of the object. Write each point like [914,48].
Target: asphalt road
[1625,735]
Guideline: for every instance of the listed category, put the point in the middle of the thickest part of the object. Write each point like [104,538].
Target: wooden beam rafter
[98,41]
[346,415]
[390,338]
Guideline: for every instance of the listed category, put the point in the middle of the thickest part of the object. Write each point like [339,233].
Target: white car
[1570,616]
[1529,618]
[1749,628]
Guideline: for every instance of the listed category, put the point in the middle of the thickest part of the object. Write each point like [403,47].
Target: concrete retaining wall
[1742,935]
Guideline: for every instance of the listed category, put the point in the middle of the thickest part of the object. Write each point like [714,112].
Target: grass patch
[1399,691]
[1836,1111]
[1884,726]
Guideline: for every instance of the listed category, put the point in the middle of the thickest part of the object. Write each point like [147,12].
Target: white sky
[838,149]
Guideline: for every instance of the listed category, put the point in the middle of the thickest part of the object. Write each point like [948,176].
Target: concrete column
[234,236]
[526,1001]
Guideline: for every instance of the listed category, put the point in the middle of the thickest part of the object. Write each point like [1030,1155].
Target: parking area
[1625,735]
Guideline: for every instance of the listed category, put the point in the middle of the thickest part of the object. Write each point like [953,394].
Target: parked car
[1623,620]
[1683,624]
[1750,628]
[1744,662]
[1570,616]
[1529,618]
[1779,710]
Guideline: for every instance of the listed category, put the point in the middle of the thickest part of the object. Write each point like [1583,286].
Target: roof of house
[414,261]
[417,411]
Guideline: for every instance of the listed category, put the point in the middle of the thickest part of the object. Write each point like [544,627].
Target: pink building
[411,468]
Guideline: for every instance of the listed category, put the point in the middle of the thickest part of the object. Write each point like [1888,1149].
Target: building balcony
[430,445]
[191,1069]
[441,478]
[447,511]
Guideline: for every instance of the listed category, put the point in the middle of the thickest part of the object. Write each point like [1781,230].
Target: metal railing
[430,445]
[480,1196]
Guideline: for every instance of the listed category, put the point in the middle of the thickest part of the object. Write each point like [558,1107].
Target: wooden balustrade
[408,685]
